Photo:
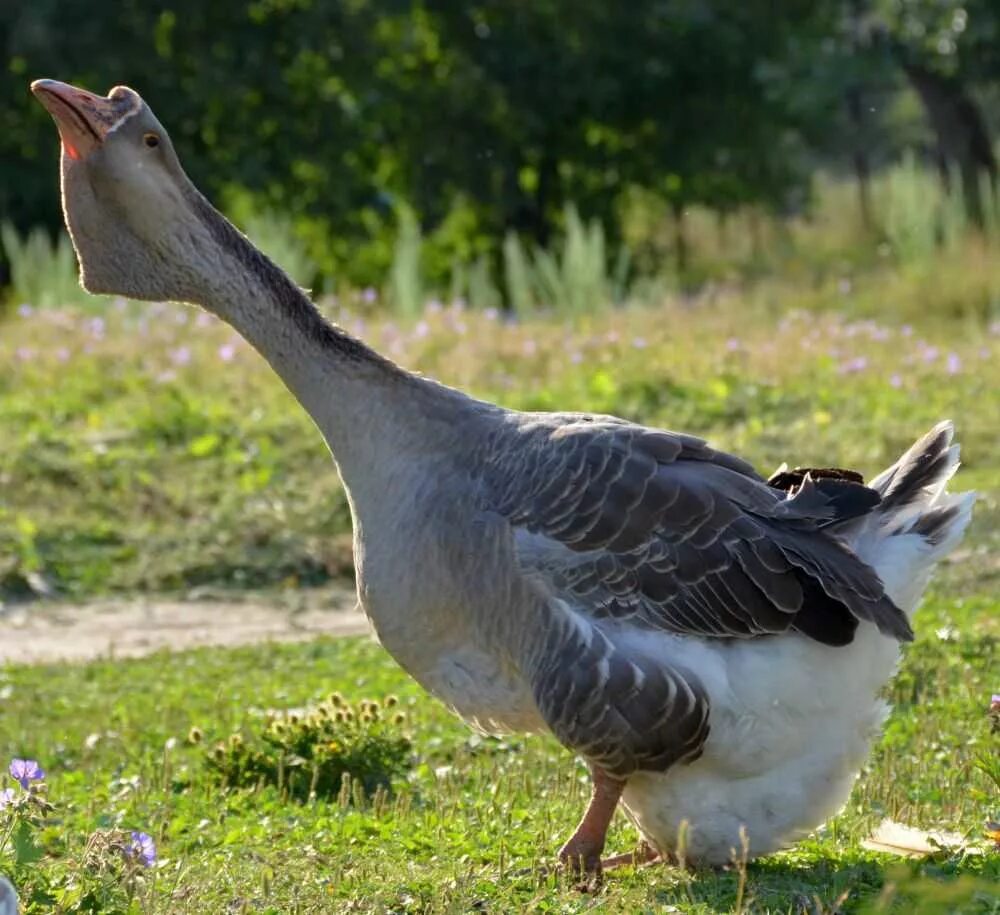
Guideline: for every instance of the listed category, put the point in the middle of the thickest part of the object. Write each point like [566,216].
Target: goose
[8,897]
[712,645]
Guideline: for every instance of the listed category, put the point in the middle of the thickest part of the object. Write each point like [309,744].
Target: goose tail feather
[918,522]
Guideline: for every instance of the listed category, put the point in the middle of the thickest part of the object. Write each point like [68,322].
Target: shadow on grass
[852,883]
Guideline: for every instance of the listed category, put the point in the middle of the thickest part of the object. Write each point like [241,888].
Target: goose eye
[151,140]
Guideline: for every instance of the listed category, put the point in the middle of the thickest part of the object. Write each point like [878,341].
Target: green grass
[136,457]
[476,820]
[148,454]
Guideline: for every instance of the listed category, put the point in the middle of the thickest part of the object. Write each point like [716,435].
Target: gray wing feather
[659,528]
[613,522]
[623,713]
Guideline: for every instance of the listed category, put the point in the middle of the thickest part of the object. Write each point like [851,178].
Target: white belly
[791,724]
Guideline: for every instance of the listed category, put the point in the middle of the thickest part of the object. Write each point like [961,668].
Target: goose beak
[83,118]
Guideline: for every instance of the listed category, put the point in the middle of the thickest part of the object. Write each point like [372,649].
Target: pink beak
[83,118]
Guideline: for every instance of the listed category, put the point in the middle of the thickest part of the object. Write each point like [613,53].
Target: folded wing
[655,527]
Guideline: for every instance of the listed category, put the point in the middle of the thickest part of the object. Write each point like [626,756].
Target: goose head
[137,222]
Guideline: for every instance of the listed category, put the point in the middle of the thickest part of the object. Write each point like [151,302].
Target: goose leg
[582,853]
[643,855]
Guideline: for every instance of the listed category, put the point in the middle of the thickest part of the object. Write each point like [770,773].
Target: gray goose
[712,646]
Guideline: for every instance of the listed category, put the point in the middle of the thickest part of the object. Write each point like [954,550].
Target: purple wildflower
[954,365]
[858,364]
[25,771]
[226,352]
[733,344]
[25,353]
[62,354]
[204,319]
[142,847]
[929,353]
[421,330]
[6,797]
[95,326]
[369,295]
[896,380]
[25,310]
[491,314]
[639,342]
[433,306]
[181,355]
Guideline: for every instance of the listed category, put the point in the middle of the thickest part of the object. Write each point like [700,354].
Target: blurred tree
[488,116]
[945,48]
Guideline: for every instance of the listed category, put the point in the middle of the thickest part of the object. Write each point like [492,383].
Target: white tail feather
[919,522]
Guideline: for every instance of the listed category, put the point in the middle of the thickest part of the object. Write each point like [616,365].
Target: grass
[149,449]
[145,449]
[472,824]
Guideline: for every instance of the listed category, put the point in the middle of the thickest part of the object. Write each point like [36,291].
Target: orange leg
[643,855]
[582,853]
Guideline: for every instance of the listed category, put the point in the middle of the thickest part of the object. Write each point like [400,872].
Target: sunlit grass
[148,447]
[476,821]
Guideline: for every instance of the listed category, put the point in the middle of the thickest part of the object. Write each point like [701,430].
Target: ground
[129,628]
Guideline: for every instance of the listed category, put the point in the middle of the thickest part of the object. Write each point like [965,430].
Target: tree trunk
[960,131]
[859,155]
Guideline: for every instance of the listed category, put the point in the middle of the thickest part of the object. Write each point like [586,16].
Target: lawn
[147,450]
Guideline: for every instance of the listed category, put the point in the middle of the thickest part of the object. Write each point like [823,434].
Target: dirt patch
[36,633]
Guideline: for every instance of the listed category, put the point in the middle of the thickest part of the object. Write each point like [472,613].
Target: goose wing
[616,522]
[656,527]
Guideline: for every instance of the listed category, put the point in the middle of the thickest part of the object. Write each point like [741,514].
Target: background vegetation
[781,232]
[477,125]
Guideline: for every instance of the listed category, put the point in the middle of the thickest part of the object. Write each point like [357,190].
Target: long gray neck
[364,405]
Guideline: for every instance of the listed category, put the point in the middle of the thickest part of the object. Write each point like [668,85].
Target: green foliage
[920,215]
[342,113]
[330,751]
[405,285]
[576,282]
[43,272]
[482,122]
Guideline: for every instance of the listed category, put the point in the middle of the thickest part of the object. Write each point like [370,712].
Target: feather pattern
[658,528]
[615,524]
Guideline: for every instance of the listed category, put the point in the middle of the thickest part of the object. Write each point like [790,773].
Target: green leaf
[25,849]
[205,445]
